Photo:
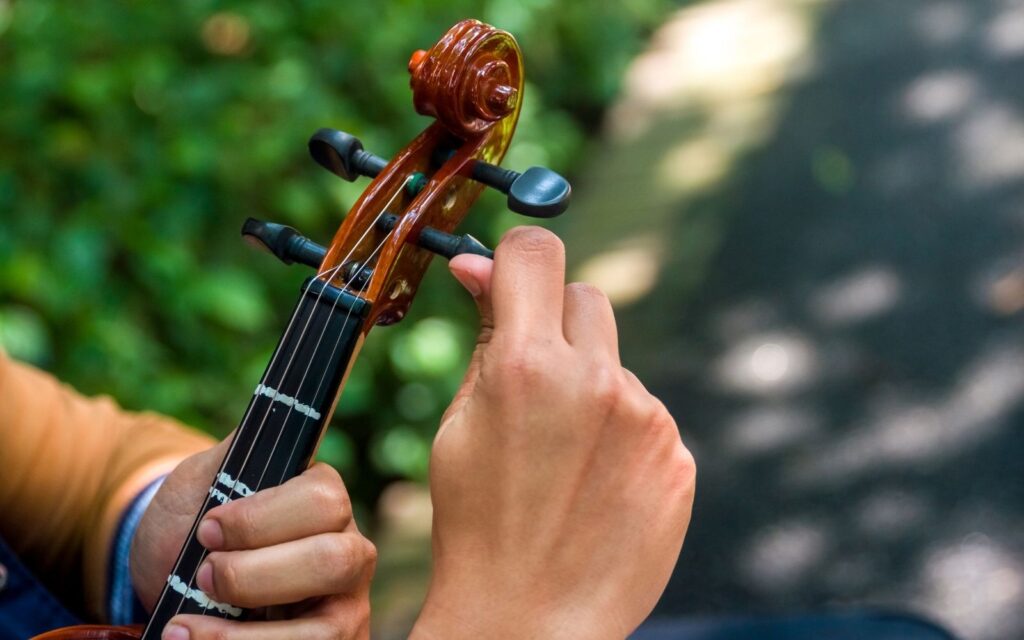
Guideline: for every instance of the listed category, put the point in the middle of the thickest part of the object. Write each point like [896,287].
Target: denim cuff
[123,606]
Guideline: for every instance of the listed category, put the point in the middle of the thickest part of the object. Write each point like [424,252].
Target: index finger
[528,280]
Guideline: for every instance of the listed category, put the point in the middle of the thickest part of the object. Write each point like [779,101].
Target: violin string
[323,377]
[223,465]
[333,272]
[195,525]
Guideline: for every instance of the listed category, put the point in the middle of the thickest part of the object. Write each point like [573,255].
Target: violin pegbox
[471,83]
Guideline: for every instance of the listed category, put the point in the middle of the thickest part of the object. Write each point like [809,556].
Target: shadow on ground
[829,298]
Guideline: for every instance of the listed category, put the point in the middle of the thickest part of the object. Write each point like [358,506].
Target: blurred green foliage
[135,137]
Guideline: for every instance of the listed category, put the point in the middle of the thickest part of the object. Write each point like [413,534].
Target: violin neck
[280,432]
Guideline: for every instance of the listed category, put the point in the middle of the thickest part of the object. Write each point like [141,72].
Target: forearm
[71,465]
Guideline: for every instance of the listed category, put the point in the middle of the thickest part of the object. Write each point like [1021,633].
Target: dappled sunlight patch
[768,364]
[922,433]
[715,52]
[942,23]
[625,273]
[891,513]
[766,429]
[1004,35]
[976,583]
[864,294]
[781,556]
[745,317]
[939,95]
[694,164]
[899,171]
[854,572]
[990,146]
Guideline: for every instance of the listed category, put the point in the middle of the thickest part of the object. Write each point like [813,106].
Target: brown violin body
[94,632]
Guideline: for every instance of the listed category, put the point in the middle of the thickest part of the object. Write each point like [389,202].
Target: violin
[471,83]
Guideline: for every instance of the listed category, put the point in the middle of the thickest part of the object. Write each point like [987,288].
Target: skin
[293,549]
[561,488]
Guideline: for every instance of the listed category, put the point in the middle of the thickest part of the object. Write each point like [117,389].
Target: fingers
[529,276]
[339,619]
[312,503]
[589,323]
[325,564]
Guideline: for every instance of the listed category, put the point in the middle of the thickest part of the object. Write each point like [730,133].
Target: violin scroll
[471,82]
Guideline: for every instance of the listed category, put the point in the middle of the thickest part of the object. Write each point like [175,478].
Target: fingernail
[210,534]
[467,281]
[204,578]
[175,632]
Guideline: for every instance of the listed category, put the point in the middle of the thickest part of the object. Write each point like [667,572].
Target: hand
[295,545]
[561,487]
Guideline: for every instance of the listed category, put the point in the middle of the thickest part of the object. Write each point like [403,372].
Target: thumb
[474,273]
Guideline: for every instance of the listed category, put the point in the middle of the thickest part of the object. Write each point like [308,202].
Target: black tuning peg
[537,192]
[284,242]
[291,246]
[443,244]
[342,154]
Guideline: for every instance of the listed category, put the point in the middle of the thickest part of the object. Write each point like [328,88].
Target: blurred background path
[809,217]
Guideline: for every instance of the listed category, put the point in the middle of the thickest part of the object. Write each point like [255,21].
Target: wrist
[452,613]
[468,616]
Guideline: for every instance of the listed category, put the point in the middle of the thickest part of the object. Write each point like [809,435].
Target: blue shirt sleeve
[123,606]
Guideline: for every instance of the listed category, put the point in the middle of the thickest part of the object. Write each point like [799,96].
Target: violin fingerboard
[279,433]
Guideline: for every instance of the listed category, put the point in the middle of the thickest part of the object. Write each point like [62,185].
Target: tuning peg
[291,246]
[443,244]
[537,192]
[284,242]
[342,154]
